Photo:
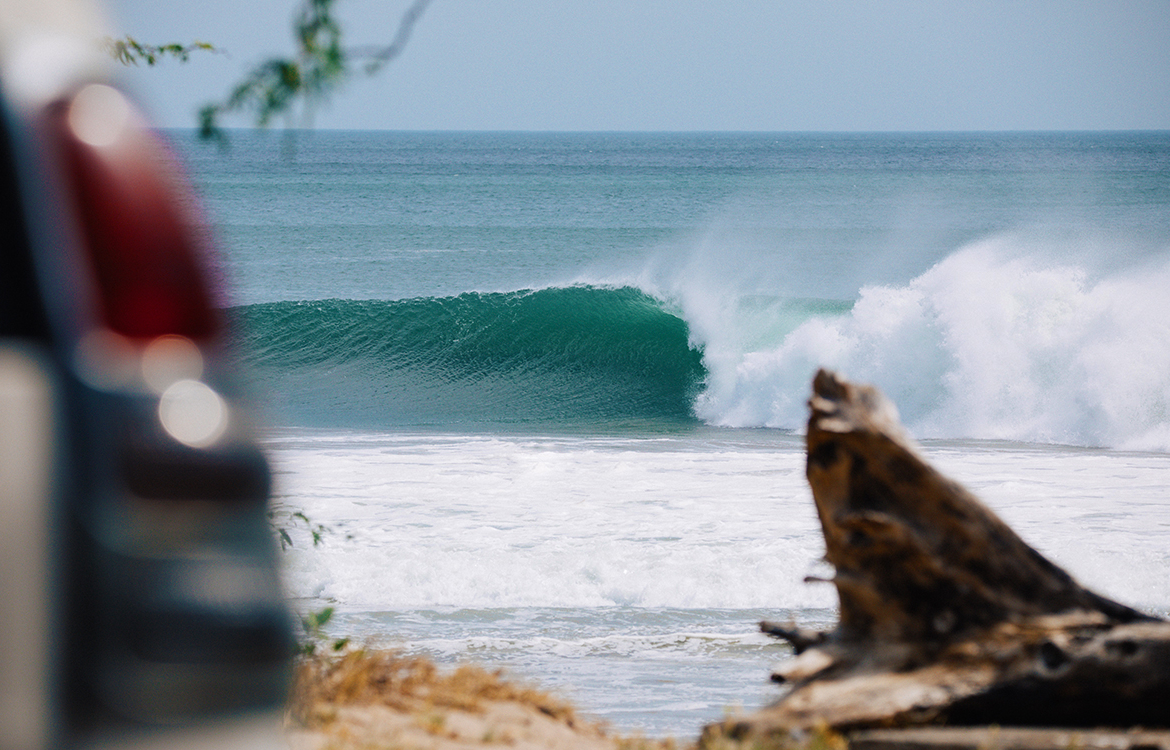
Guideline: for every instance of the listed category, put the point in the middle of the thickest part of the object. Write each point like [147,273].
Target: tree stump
[946,615]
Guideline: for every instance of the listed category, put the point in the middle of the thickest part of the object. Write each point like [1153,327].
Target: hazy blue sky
[701,65]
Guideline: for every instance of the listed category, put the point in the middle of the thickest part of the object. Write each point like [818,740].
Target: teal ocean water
[577,355]
[545,391]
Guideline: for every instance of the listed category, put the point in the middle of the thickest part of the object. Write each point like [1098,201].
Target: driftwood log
[946,615]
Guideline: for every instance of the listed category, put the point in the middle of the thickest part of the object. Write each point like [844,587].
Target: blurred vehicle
[138,572]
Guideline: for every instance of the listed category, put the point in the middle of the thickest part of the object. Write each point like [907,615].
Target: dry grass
[368,698]
[718,737]
[412,684]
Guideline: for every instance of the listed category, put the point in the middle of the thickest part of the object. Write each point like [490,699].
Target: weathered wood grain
[946,615]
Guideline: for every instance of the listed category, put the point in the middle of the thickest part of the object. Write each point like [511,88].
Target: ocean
[536,400]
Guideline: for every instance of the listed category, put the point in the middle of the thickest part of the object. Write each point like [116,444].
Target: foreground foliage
[130,51]
[372,697]
[279,86]
[374,676]
[318,68]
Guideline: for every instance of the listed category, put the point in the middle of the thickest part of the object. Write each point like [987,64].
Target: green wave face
[559,355]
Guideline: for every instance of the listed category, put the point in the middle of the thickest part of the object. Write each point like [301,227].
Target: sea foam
[989,343]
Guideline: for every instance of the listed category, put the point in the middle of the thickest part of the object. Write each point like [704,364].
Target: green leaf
[319,67]
[314,621]
[129,51]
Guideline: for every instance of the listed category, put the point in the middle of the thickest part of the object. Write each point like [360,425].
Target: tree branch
[319,68]
[129,51]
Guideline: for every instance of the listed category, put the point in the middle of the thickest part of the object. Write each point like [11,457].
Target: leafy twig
[312,624]
[320,66]
[292,520]
[129,51]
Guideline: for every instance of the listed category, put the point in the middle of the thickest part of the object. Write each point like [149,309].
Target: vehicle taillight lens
[147,248]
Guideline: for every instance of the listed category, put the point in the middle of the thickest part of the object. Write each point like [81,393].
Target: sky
[686,65]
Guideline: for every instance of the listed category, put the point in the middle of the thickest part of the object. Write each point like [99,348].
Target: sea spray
[993,342]
[989,344]
[575,521]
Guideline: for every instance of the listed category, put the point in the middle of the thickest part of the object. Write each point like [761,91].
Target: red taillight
[147,252]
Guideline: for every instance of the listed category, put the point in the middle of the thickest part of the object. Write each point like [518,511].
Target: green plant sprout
[312,624]
[282,521]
